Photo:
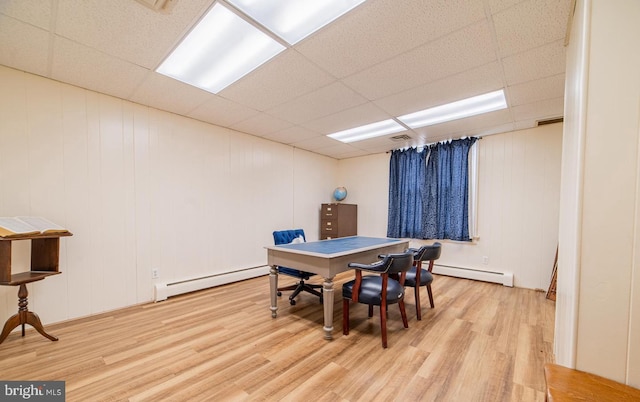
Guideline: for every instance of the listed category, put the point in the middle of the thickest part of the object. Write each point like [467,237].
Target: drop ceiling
[383,59]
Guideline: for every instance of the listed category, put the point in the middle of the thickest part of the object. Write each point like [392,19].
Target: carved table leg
[273,285]
[327,295]
[24,316]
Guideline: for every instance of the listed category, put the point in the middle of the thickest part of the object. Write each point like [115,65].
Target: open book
[28,226]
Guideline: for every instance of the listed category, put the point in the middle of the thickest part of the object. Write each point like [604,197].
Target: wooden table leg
[327,296]
[24,316]
[273,284]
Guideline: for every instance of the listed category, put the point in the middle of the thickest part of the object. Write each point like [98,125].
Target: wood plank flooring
[482,342]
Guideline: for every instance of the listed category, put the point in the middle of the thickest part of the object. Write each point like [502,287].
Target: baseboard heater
[505,278]
[162,291]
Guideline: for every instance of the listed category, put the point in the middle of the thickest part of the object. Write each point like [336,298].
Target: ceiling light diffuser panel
[294,20]
[219,50]
[468,107]
[372,130]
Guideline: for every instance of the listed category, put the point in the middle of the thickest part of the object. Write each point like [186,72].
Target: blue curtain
[406,189]
[429,192]
[446,202]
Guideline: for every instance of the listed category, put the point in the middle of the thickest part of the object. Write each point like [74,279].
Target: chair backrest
[429,253]
[402,262]
[287,236]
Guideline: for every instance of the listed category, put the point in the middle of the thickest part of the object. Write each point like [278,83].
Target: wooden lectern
[45,252]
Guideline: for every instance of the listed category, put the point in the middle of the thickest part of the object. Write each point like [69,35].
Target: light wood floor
[482,342]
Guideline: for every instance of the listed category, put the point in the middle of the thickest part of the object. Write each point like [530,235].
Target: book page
[13,226]
[41,224]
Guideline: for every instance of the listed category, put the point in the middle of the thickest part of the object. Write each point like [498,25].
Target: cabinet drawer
[329,211]
[328,226]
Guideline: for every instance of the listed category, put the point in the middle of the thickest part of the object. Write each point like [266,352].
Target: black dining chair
[377,290]
[418,276]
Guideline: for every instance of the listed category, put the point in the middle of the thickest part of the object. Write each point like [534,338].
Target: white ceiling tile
[462,50]
[292,134]
[343,151]
[384,58]
[108,25]
[378,30]
[261,124]
[23,46]
[499,5]
[323,102]
[537,90]
[543,61]
[524,124]
[546,109]
[221,112]
[531,24]
[166,93]
[345,119]
[87,68]
[472,82]
[315,143]
[385,143]
[282,79]
[37,13]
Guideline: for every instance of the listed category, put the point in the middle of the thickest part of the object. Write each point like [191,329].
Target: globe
[340,193]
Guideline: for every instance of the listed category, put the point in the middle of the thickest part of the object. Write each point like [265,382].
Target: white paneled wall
[141,189]
[519,187]
[367,182]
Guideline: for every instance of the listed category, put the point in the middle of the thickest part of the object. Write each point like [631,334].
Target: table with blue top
[327,258]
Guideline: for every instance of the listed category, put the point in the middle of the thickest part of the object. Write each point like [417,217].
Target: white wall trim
[504,278]
[162,291]
[572,188]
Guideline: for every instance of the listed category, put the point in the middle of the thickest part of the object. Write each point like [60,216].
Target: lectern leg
[23,317]
[11,323]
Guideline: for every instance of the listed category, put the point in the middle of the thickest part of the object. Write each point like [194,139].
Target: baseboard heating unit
[162,291]
[505,278]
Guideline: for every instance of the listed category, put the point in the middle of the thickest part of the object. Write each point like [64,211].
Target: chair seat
[370,290]
[295,273]
[425,277]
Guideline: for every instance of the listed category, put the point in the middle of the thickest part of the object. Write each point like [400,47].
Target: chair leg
[370,310]
[296,292]
[430,295]
[403,313]
[383,324]
[416,291]
[345,316]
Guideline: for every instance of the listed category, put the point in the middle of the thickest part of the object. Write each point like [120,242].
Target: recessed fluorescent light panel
[369,131]
[219,50]
[294,20]
[485,103]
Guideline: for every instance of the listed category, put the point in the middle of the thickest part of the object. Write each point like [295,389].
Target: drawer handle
[329,229]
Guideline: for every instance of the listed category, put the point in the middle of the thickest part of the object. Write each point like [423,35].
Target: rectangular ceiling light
[294,20]
[368,131]
[219,50]
[485,103]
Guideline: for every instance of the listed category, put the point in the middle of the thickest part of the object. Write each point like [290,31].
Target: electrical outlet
[155,274]
[485,260]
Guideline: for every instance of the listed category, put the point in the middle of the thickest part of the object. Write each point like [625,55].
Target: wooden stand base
[24,316]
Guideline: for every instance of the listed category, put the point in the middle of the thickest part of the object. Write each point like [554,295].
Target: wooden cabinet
[338,220]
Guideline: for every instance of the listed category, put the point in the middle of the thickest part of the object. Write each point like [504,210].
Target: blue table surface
[338,245]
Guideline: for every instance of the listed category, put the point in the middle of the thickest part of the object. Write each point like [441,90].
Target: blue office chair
[286,237]
[378,290]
